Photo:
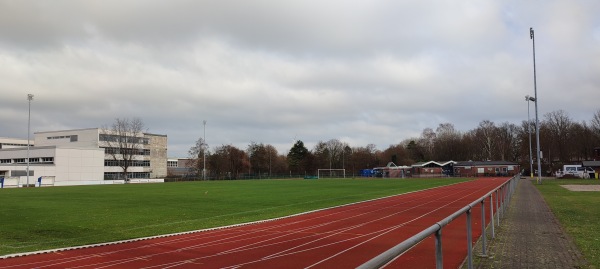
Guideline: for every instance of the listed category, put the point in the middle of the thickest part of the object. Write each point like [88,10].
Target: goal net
[45,181]
[331,173]
[9,182]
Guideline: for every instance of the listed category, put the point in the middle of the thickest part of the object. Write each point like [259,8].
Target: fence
[502,195]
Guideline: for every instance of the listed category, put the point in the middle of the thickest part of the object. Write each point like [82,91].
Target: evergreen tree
[297,157]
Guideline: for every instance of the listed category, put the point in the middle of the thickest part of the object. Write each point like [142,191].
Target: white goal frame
[11,182]
[45,181]
[330,170]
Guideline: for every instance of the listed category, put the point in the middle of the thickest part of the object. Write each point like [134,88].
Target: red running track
[342,237]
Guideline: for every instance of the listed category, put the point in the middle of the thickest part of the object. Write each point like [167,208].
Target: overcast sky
[363,72]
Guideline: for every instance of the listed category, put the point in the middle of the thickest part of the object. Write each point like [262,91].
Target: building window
[119,176]
[34,160]
[136,163]
[21,160]
[48,160]
[21,173]
[5,161]
[127,139]
[62,137]
[140,152]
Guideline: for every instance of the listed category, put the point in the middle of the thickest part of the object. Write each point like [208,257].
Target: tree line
[562,141]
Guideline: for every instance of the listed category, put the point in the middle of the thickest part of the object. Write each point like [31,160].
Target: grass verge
[34,219]
[578,213]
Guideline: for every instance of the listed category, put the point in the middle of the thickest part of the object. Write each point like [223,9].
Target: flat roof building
[8,143]
[81,157]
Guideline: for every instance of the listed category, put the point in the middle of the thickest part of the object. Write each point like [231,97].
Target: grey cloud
[264,71]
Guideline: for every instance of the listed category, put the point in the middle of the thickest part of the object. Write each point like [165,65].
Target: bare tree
[396,154]
[447,143]
[364,157]
[336,151]
[198,153]
[582,139]
[228,162]
[507,135]
[427,141]
[124,143]
[486,135]
[416,151]
[559,125]
[595,126]
[262,157]
[330,153]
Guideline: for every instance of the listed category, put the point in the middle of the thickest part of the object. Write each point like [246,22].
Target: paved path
[530,236]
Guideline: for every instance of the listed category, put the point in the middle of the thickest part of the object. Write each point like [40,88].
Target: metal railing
[502,195]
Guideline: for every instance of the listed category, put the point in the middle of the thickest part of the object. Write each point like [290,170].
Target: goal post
[45,181]
[9,182]
[331,173]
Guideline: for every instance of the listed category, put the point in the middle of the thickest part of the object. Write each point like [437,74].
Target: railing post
[469,242]
[497,208]
[483,234]
[492,214]
[439,259]
[503,203]
[509,192]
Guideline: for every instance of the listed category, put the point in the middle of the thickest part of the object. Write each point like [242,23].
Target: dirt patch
[581,187]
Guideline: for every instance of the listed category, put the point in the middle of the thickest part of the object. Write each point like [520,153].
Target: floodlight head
[531,32]
[531,98]
[29,96]
[526,97]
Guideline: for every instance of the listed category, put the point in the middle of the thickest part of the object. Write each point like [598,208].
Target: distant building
[486,168]
[180,167]
[391,170]
[78,157]
[8,143]
[433,169]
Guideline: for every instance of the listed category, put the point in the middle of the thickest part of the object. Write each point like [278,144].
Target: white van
[576,170]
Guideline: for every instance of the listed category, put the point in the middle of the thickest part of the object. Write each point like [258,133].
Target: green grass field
[578,213]
[44,218]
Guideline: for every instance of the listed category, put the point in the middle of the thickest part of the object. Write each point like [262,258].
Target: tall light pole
[204,153]
[29,99]
[537,121]
[528,99]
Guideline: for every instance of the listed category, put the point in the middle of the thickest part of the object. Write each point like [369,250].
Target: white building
[180,167]
[7,143]
[79,157]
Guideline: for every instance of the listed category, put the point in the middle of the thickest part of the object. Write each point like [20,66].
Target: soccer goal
[45,181]
[9,182]
[331,173]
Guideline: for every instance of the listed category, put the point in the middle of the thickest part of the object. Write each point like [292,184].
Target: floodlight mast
[537,121]
[29,99]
